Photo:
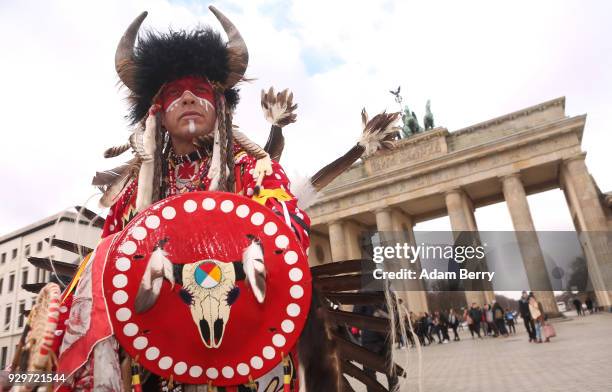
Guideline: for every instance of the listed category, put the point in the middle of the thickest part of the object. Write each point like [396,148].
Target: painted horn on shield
[238,58]
[125,52]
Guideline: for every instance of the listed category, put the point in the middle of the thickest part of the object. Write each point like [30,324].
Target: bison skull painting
[208,286]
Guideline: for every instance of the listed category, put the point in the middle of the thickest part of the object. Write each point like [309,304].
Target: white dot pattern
[139,233]
[287,326]
[165,363]
[281,241]
[129,247]
[270,228]
[293,310]
[152,222]
[212,373]
[140,342]
[120,281]
[168,213]
[291,257]
[256,362]
[227,206]
[190,206]
[123,264]
[208,204]
[195,371]
[242,211]
[152,353]
[257,218]
[180,368]
[279,340]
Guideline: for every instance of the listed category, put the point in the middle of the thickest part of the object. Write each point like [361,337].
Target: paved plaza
[578,359]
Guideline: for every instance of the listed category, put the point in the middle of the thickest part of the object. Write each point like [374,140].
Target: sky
[61,106]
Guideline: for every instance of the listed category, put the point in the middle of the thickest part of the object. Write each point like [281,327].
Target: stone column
[591,224]
[414,293]
[462,219]
[528,243]
[337,241]
[352,235]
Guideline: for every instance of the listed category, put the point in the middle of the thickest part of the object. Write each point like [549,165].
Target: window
[3,357]
[14,254]
[21,319]
[39,246]
[11,283]
[1,284]
[27,249]
[3,258]
[24,276]
[37,275]
[7,317]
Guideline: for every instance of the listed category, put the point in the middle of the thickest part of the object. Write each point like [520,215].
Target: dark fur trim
[162,58]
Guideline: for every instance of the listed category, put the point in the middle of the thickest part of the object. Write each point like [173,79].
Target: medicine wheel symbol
[208,274]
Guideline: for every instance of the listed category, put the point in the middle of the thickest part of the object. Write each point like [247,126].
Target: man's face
[188,108]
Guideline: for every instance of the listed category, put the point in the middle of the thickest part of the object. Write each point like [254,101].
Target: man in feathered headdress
[182,92]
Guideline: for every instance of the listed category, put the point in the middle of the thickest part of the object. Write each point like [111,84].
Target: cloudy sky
[61,107]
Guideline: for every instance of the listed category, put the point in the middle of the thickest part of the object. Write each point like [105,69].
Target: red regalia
[201,281]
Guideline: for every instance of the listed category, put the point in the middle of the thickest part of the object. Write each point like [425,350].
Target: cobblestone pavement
[578,359]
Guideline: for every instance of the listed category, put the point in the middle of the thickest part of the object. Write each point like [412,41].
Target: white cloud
[61,107]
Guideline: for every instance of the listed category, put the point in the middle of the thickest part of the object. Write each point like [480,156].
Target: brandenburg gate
[437,173]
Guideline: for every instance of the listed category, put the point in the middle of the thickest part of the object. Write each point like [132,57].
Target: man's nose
[188,98]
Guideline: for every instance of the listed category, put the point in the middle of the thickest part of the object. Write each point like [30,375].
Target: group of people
[490,320]
[583,308]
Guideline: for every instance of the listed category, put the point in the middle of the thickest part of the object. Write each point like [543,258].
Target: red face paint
[172,91]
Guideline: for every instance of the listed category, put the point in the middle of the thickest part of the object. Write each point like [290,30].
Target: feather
[143,144]
[108,177]
[116,150]
[248,145]
[158,268]
[278,108]
[255,270]
[327,174]
[303,190]
[276,143]
[112,182]
[379,132]
[214,172]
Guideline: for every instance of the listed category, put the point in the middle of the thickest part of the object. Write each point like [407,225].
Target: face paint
[198,88]
[192,128]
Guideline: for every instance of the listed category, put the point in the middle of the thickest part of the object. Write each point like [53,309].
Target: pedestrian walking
[537,314]
[510,321]
[526,316]
[453,321]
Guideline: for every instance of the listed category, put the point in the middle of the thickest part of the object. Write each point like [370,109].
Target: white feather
[158,268]
[144,196]
[254,268]
[304,192]
[371,138]
[214,172]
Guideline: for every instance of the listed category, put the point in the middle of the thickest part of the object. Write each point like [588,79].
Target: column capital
[578,157]
[453,191]
[335,222]
[382,209]
[504,177]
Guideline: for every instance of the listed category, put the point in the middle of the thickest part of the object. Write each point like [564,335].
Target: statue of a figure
[428,120]
[406,116]
[411,123]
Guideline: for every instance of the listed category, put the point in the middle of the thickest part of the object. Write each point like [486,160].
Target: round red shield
[206,324]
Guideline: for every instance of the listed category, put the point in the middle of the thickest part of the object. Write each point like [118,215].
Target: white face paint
[202,101]
[192,128]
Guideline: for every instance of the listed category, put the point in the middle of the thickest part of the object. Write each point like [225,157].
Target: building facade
[15,270]
[437,173]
